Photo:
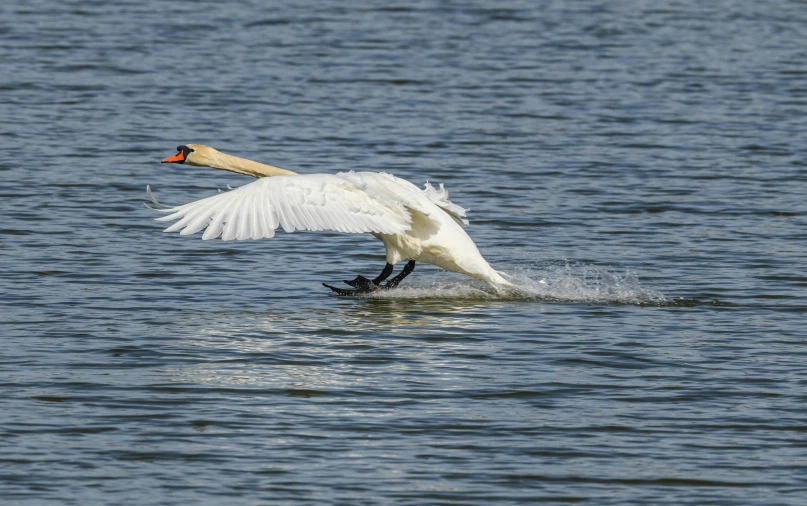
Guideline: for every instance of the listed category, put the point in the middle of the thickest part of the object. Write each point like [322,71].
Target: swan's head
[193,154]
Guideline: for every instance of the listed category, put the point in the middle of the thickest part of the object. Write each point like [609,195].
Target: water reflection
[348,317]
[333,344]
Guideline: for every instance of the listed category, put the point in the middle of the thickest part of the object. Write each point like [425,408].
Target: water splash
[565,281]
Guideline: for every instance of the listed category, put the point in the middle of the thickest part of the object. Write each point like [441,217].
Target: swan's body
[414,224]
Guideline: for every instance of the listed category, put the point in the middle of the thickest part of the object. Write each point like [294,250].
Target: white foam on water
[564,281]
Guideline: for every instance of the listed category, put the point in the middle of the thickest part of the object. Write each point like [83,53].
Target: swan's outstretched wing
[300,202]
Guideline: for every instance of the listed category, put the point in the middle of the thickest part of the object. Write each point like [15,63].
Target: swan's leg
[384,274]
[407,270]
[362,284]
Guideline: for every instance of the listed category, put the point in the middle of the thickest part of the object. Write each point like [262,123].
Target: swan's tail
[496,279]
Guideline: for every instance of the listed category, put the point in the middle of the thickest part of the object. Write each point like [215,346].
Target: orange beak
[177,158]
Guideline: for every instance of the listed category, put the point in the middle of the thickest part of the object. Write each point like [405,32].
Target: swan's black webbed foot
[363,285]
[340,291]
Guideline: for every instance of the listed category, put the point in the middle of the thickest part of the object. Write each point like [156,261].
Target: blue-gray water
[640,166]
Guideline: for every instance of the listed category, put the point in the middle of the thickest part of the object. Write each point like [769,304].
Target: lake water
[639,167]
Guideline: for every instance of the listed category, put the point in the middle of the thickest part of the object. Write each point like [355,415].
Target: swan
[417,225]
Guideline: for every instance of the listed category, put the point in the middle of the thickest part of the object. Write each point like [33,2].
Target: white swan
[415,225]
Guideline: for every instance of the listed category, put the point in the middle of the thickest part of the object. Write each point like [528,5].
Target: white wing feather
[391,187]
[299,202]
[440,198]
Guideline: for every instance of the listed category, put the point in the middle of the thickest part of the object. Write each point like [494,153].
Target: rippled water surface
[638,167]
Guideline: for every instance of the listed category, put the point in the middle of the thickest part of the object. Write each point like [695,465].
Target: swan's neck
[224,161]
